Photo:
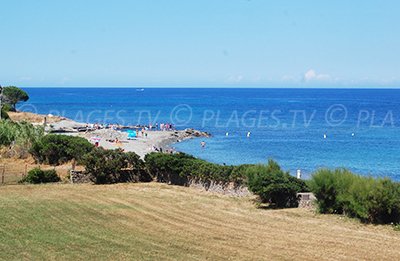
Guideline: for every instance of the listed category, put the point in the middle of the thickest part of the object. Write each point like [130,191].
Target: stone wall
[217,187]
[79,177]
[306,200]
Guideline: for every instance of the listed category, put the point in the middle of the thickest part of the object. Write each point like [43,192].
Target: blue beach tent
[131,134]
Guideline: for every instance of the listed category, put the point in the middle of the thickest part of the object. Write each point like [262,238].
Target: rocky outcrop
[196,133]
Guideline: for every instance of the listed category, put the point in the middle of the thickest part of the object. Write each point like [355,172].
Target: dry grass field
[160,222]
[14,169]
[32,117]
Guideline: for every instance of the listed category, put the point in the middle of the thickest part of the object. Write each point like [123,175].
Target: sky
[200,43]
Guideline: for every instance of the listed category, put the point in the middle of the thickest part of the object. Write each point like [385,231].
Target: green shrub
[383,203]
[397,227]
[57,149]
[4,113]
[327,186]
[370,200]
[113,166]
[206,172]
[36,176]
[19,133]
[181,168]
[169,168]
[274,186]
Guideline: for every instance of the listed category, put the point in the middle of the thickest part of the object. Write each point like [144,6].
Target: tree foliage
[12,95]
[56,149]
[112,166]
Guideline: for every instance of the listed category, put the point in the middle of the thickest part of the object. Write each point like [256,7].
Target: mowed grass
[160,222]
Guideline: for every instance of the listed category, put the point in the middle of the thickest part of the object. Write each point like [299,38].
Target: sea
[301,129]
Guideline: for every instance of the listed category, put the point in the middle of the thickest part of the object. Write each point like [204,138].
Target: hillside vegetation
[153,221]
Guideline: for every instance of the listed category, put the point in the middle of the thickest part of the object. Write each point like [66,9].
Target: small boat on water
[139,90]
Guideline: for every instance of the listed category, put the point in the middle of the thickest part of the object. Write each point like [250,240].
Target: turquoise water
[288,125]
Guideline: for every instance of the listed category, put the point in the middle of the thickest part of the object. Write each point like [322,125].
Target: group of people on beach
[150,127]
[156,127]
[98,126]
[137,133]
[161,126]
[164,126]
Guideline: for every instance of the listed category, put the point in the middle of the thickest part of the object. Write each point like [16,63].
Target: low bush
[181,168]
[273,186]
[168,168]
[19,133]
[16,138]
[370,200]
[57,149]
[4,113]
[36,176]
[328,186]
[113,166]
[396,227]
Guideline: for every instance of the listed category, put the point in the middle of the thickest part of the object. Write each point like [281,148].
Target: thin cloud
[311,75]
[235,78]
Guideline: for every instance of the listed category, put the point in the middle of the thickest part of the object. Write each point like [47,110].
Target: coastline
[141,145]
[109,138]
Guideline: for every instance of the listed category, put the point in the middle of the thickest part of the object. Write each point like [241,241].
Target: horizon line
[212,87]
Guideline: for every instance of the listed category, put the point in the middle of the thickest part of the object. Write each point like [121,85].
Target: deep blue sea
[300,128]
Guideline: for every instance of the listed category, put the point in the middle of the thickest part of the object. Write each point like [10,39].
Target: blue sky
[255,43]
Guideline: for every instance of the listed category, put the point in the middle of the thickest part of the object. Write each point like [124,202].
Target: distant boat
[139,90]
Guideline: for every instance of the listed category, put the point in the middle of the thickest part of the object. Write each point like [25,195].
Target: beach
[141,145]
[109,138]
